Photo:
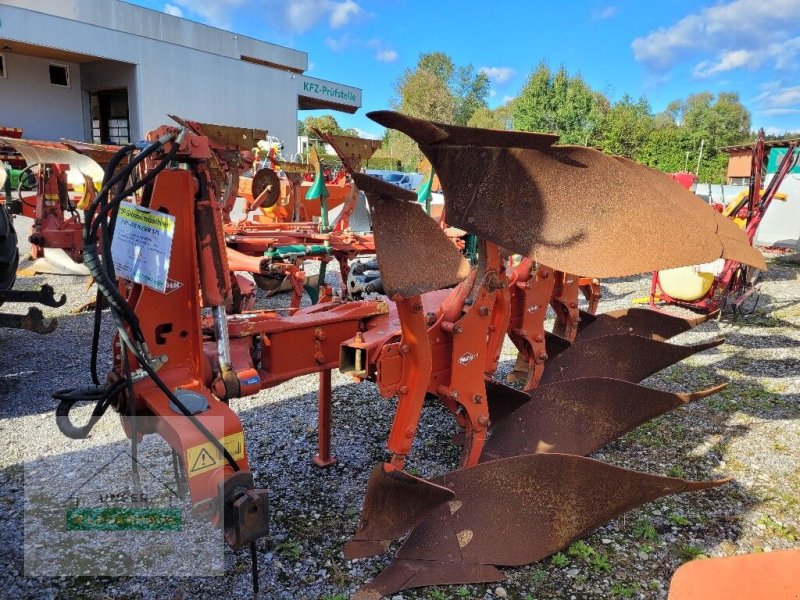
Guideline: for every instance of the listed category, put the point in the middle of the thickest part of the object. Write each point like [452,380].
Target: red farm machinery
[524,487]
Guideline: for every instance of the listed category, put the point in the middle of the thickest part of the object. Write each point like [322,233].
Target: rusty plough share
[524,487]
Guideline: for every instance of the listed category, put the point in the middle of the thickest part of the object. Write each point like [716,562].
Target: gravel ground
[749,432]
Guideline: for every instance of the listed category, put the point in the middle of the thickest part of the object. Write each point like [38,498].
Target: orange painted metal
[324,458]
[565,305]
[590,287]
[50,229]
[416,372]
[767,575]
[531,290]
[171,325]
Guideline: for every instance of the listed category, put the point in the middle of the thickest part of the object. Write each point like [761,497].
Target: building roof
[144,22]
[767,145]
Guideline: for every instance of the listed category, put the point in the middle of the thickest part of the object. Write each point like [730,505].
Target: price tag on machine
[142,245]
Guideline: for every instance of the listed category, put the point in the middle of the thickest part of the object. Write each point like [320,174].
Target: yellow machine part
[685,283]
[738,198]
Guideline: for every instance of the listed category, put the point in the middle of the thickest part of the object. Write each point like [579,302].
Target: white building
[108,71]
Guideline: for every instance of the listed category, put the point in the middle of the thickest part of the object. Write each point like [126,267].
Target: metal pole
[323,457]
[699,158]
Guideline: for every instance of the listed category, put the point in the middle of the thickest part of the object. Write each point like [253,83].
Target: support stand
[324,457]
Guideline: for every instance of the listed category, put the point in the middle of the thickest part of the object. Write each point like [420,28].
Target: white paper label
[142,244]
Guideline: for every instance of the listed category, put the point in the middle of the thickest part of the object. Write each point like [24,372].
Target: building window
[59,74]
[2,66]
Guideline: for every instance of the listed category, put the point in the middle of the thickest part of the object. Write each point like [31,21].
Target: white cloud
[755,26]
[775,112]
[771,130]
[368,135]
[498,75]
[302,15]
[387,55]
[601,14]
[777,95]
[173,10]
[492,93]
[214,12]
[342,13]
[784,98]
[778,99]
[727,62]
[507,99]
[337,44]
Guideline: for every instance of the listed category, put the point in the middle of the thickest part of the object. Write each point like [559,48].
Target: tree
[557,103]
[324,123]
[625,127]
[501,117]
[470,90]
[438,90]
[716,122]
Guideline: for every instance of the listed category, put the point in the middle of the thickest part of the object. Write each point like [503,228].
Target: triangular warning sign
[203,460]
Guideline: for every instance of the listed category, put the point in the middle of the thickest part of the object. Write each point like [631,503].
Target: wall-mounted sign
[318,93]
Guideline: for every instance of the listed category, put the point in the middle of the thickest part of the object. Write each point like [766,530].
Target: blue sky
[662,49]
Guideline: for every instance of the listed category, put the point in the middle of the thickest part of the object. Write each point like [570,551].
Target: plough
[285,232]
[34,319]
[727,284]
[63,175]
[524,487]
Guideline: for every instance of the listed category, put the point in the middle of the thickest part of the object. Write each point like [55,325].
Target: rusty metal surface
[737,248]
[353,151]
[240,137]
[394,503]
[375,186]
[516,511]
[415,255]
[266,182]
[405,574]
[627,357]
[503,400]
[579,416]
[638,321]
[516,190]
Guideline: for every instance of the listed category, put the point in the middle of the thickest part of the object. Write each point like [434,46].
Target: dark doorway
[110,124]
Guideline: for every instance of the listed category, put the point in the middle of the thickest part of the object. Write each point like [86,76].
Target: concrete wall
[128,18]
[28,99]
[781,224]
[720,194]
[170,78]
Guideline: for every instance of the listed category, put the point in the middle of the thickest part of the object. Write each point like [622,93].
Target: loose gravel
[749,432]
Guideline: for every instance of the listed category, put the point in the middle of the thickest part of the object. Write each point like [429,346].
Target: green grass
[688,552]
[785,531]
[289,550]
[600,563]
[677,519]
[624,590]
[644,529]
[560,560]
[677,471]
[581,549]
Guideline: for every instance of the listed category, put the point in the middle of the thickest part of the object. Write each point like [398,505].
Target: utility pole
[699,158]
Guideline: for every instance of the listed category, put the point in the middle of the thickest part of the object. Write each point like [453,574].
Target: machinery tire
[9,254]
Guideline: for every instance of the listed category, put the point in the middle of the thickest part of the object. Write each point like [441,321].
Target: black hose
[120,309]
